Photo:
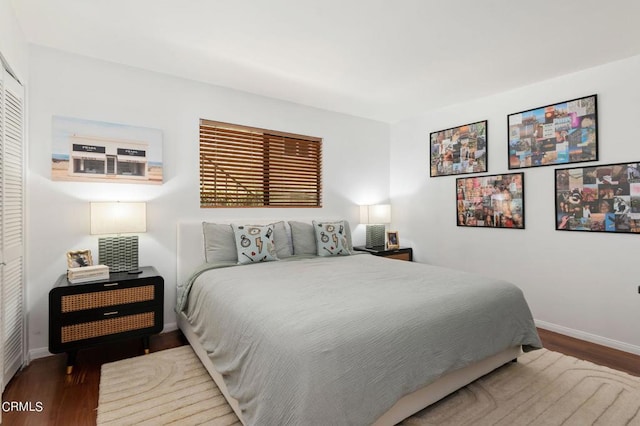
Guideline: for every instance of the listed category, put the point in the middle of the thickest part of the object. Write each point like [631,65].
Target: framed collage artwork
[561,133]
[602,198]
[495,201]
[459,150]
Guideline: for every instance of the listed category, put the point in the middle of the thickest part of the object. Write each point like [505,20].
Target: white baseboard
[44,352]
[170,327]
[37,353]
[593,338]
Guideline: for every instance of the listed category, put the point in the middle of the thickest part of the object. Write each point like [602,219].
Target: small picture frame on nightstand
[79,258]
[393,242]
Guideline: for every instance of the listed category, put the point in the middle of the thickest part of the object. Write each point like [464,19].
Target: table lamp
[375,216]
[119,253]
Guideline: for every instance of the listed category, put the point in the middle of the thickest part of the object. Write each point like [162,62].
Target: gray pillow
[281,240]
[347,230]
[219,243]
[304,239]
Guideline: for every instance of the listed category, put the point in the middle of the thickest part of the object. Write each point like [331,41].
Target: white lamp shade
[375,214]
[118,218]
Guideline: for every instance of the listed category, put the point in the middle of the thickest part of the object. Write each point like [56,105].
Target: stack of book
[87,273]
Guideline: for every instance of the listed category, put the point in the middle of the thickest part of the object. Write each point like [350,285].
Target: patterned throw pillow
[331,238]
[254,243]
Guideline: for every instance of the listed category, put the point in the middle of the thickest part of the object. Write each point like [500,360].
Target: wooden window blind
[244,166]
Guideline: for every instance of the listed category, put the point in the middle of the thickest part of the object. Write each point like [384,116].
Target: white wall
[75,86]
[13,45]
[582,284]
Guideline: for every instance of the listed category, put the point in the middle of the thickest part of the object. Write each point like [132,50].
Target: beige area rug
[169,387]
[542,388]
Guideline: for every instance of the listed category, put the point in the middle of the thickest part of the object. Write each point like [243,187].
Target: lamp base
[120,254]
[375,236]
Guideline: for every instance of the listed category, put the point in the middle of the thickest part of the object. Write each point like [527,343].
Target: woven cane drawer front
[101,299]
[105,327]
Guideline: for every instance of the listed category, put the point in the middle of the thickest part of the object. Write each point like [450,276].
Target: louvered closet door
[12,226]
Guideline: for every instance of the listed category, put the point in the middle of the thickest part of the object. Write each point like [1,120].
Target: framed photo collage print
[491,201]
[592,198]
[562,133]
[459,150]
[600,198]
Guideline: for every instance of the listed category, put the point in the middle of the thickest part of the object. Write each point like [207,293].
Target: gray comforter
[333,341]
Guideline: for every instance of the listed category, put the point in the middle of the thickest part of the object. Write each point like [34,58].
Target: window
[248,167]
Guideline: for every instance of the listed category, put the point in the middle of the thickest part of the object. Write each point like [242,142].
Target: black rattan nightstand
[122,307]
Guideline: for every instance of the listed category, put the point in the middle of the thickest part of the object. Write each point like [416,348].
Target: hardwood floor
[601,355]
[72,399]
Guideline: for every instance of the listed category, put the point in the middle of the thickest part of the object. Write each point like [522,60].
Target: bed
[351,339]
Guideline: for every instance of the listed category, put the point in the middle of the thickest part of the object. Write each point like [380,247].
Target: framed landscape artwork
[97,151]
[562,133]
[603,198]
[459,150]
[491,201]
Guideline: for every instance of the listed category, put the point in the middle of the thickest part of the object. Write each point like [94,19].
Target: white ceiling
[381,59]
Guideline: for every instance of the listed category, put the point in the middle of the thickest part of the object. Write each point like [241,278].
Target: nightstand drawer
[101,299]
[401,256]
[105,327]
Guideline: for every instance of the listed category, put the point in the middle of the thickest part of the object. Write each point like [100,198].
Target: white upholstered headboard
[190,249]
